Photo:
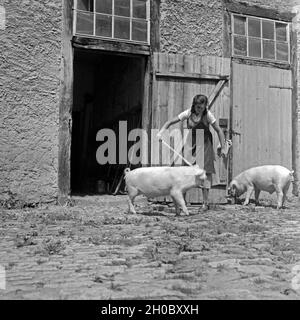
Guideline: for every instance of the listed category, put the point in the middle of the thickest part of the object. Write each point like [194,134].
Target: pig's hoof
[230,201]
[131,212]
[182,214]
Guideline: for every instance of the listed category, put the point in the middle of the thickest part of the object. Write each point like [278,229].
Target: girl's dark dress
[209,155]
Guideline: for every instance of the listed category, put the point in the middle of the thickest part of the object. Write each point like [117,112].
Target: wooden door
[261,117]
[176,80]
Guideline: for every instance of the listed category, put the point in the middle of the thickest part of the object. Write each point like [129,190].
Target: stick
[178,154]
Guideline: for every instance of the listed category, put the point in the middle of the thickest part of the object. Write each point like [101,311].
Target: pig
[268,178]
[163,181]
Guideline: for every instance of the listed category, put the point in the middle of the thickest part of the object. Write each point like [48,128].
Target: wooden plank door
[262,117]
[176,80]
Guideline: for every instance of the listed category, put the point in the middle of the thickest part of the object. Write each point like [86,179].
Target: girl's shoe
[204,208]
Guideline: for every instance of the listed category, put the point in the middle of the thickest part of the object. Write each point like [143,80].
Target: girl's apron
[209,154]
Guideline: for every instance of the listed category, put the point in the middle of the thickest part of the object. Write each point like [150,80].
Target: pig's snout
[232,190]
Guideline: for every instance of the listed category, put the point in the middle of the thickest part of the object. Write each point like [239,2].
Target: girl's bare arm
[220,135]
[168,123]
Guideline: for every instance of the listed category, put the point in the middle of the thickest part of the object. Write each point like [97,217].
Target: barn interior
[108,88]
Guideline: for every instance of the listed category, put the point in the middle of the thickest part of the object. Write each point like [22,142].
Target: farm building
[71,68]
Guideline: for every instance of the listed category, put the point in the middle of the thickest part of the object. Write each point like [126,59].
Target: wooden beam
[154,26]
[212,98]
[230,154]
[65,106]
[280,87]
[110,46]
[261,63]
[253,10]
[191,76]
[226,34]
[295,148]
[146,108]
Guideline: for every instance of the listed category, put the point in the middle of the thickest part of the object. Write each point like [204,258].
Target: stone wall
[191,27]
[30,57]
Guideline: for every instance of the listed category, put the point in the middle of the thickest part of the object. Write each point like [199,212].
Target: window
[123,20]
[260,38]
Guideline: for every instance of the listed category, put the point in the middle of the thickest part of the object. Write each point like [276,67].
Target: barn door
[262,117]
[176,80]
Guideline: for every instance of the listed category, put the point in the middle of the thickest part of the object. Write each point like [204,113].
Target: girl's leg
[205,191]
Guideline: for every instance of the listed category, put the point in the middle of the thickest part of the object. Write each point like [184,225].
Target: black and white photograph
[149,150]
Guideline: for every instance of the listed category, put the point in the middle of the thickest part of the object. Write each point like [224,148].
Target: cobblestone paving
[94,249]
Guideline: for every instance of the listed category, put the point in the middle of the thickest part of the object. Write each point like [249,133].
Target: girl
[199,117]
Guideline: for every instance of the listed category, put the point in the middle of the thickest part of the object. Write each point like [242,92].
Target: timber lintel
[191,76]
[110,45]
[254,10]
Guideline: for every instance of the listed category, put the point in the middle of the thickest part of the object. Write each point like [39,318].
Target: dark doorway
[108,88]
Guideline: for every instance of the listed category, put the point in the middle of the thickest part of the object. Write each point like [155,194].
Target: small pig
[163,181]
[268,178]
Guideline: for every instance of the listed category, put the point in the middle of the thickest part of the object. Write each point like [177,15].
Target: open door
[176,80]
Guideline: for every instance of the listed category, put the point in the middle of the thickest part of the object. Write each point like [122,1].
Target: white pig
[163,181]
[268,178]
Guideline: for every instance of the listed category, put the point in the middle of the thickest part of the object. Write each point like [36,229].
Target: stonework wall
[30,57]
[278,5]
[191,27]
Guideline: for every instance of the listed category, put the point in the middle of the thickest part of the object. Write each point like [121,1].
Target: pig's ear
[232,186]
[202,172]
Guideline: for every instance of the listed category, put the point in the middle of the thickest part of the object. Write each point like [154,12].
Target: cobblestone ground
[94,249]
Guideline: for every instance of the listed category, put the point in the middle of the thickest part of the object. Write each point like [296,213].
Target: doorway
[108,88]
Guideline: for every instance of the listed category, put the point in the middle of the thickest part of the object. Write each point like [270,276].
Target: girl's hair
[199,98]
